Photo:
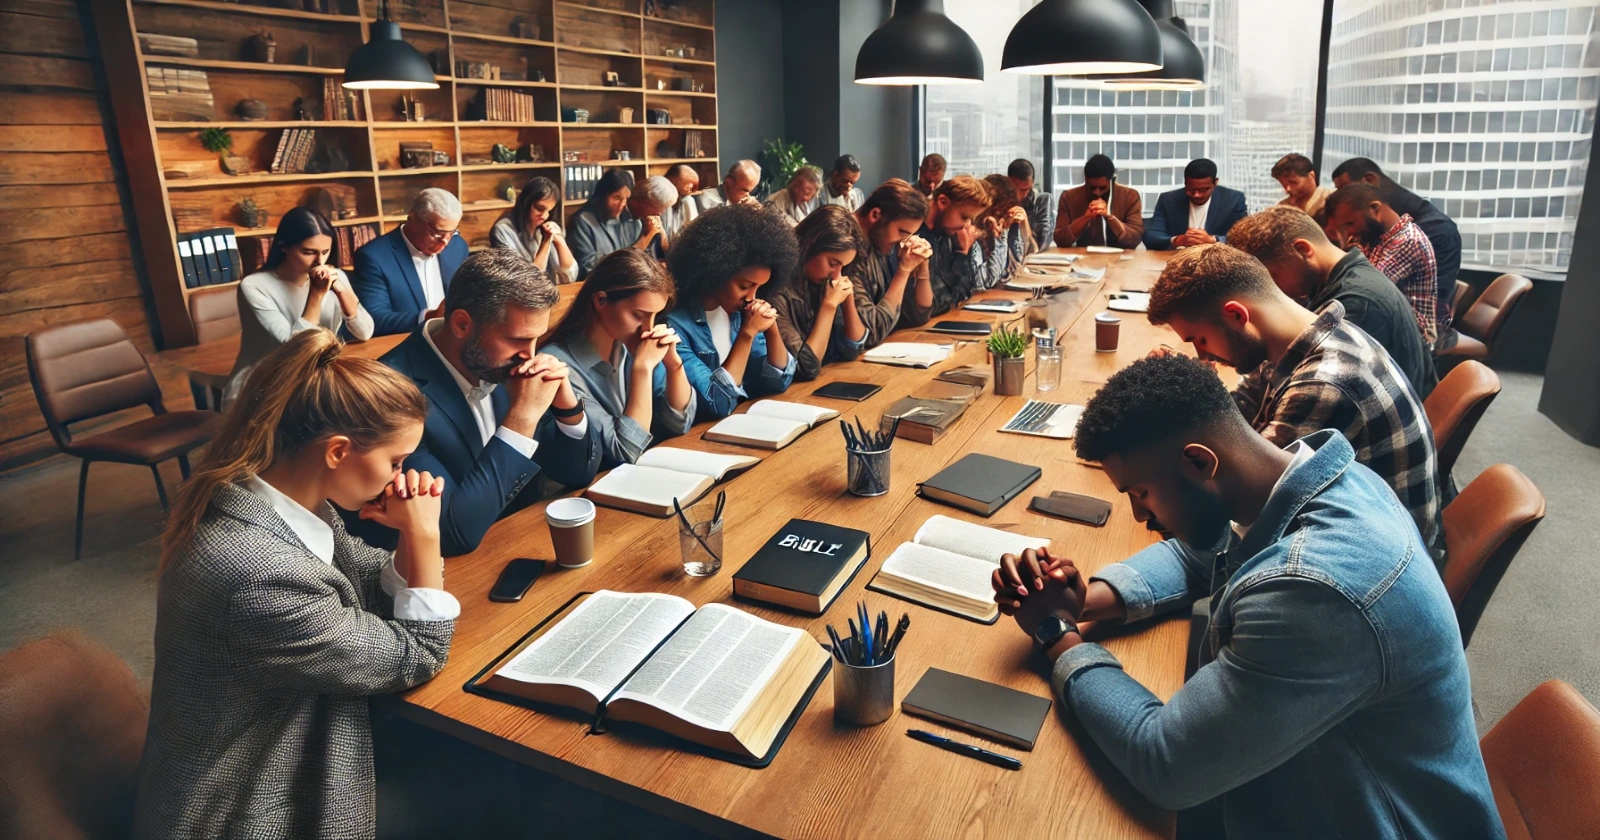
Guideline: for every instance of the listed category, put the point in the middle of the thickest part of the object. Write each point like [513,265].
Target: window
[980,129]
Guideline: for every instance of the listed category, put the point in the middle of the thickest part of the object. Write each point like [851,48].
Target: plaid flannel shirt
[1405,256]
[1334,376]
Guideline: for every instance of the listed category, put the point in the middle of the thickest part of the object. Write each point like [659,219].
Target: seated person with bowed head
[1332,697]
[727,265]
[401,277]
[930,174]
[1101,211]
[957,260]
[1033,201]
[273,624]
[741,180]
[841,188]
[817,314]
[295,290]
[607,223]
[528,229]
[1302,189]
[803,195]
[499,412]
[1199,214]
[891,217]
[1005,235]
[1396,246]
[686,181]
[622,363]
[1441,231]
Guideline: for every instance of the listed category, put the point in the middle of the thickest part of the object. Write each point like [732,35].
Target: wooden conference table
[829,779]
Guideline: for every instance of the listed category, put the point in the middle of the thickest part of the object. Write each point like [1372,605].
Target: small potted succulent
[1008,347]
[220,143]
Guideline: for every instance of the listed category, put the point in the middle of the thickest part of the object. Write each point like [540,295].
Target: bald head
[684,178]
[742,179]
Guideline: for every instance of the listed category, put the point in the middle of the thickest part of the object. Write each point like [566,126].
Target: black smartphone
[1078,508]
[515,580]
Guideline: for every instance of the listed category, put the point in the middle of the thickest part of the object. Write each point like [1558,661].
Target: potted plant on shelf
[1008,347]
[220,143]
[779,162]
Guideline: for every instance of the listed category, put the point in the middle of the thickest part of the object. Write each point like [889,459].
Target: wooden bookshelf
[555,51]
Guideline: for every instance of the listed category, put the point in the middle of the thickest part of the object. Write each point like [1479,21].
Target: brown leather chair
[1458,304]
[1484,528]
[72,727]
[1543,760]
[86,369]
[1474,333]
[215,313]
[1455,407]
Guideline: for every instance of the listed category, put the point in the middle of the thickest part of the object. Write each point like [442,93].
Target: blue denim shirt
[1333,698]
[717,395]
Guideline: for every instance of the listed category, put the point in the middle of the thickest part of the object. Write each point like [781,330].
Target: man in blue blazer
[498,412]
[401,277]
[1199,214]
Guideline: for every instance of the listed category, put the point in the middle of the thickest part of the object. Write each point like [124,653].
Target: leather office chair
[1543,760]
[1458,304]
[1484,528]
[72,727]
[215,313]
[86,369]
[1455,407]
[1474,333]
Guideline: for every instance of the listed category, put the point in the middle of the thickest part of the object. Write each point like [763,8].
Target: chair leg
[77,534]
[183,466]
[161,490]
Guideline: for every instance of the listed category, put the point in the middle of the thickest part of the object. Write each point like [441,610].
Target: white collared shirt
[1197,215]
[316,533]
[482,405]
[428,272]
[721,332]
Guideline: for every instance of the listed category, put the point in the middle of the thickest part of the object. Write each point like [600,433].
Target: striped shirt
[1405,256]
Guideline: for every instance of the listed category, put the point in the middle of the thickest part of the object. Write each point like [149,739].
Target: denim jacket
[605,400]
[717,395]
[1333,698]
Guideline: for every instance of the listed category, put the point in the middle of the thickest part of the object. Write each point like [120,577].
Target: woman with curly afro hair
[725,264]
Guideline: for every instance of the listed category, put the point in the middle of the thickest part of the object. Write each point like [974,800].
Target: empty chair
[1455,407]
[1474,334]
[1543,760]
[72,726]
[1484,528]
[215,313]
[1458,304]
[86,369]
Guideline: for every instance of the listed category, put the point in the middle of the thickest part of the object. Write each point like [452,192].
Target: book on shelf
[908,354]
[662,474]
[191,279]
[208,248]
[979,483]
[285,140]
[804,566]
[769,424]
[948,565]
[716,677]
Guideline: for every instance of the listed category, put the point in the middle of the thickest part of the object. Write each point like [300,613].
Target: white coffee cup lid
[569,513]
[1107,318]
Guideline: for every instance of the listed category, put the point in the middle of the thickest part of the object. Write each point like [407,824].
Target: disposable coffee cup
[1107,330]
[571,531]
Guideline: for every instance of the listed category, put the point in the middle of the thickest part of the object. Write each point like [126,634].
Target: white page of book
[756,427]
[711,670]
[908,353]
[977,541]
[713,464]
[652,485]
[1051,258]
[807,414]
[957,573]
[600,642]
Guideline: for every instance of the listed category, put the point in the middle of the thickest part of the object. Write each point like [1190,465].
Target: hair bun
[330,352]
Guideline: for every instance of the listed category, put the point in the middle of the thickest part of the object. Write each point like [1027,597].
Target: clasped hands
[1038,585]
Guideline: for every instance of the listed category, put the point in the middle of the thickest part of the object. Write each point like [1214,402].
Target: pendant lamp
[387,62]
[1183,67]
[1083,37]
[918,45]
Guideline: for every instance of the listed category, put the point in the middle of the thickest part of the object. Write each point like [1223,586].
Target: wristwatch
[564,413]
[1051,630]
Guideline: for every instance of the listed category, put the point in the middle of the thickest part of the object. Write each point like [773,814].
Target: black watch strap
[564,413]
[1051,630]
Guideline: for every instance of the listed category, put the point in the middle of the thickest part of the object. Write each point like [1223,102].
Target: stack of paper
[908,354]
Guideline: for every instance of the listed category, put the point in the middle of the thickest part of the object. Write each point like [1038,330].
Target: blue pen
[866,635]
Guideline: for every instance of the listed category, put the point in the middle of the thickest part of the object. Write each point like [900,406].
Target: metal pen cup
[863,695]
[867,472]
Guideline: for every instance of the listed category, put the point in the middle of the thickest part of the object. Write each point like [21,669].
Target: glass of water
[700,541]
[1047,365]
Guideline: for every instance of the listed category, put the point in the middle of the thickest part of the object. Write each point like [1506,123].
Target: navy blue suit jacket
[387,284]
[480,481]
[1172,218]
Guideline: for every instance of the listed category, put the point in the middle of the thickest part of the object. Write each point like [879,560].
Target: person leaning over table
[1101,211]
[742,178]
[891,217]
[402,276]
[295,290]
[841,186]
[674,219]
[625,365]
[955,266]
[1198,214]
[1332,698]
[803,195]
[273,624]
[528,230]
[1303,191]
[1035,202]
[817,315]
[1005,235]
[728,265]
[1440,229]
[607,223]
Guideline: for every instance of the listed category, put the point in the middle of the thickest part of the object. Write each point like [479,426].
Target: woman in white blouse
[528,230]
[295,290]
[796,201]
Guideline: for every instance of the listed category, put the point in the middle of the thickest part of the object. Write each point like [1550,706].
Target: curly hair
[1002,197]
[1199,280]
[1270,234]
[726,240]
[1154,400]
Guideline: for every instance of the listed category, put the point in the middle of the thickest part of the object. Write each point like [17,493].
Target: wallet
[856,391]
[1073,506]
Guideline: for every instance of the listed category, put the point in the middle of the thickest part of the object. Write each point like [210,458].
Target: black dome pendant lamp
[386,61]
[918,45]
[1083,37]
[1183,66]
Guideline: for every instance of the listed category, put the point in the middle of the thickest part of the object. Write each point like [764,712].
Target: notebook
[979,483]
[1045,419]
[962,327]
[804,566]
[1051,258]
[922,420]
[769,424]
[1006,306]
[853,391]
[948,566]
[661,475]
[908,354]
[993,711]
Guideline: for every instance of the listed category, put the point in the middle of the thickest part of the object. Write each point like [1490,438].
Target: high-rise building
[1485,109]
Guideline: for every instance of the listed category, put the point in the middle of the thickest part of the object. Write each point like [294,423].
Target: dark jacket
[1172,217]
[1379,308]
[387,284]
[1125,203]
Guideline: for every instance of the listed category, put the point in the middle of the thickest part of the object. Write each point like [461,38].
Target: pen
[967,750]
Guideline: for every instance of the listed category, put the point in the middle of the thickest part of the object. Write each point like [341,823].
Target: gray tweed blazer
[265,657]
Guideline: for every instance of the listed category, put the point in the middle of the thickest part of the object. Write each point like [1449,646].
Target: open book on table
[769,424]
[716,677]
[948,566]
[663,474]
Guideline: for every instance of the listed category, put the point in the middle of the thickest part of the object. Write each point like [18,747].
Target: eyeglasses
[437,235]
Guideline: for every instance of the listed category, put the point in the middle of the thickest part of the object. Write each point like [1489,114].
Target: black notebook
[804,566]
[962,327]
[993,711]
[979,483]
[853,391]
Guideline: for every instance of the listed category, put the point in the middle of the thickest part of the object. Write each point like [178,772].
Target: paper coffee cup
[571,531]
[1107,331]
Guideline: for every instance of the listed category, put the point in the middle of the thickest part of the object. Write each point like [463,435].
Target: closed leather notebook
[979,483]
[993,711]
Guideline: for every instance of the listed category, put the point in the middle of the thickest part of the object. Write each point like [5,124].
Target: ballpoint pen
[967,750]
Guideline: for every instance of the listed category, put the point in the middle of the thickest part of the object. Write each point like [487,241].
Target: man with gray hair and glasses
[402,276]
[735,188]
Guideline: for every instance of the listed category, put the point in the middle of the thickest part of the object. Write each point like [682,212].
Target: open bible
[769,424]
[948,566]
[661,475]
[717,676]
